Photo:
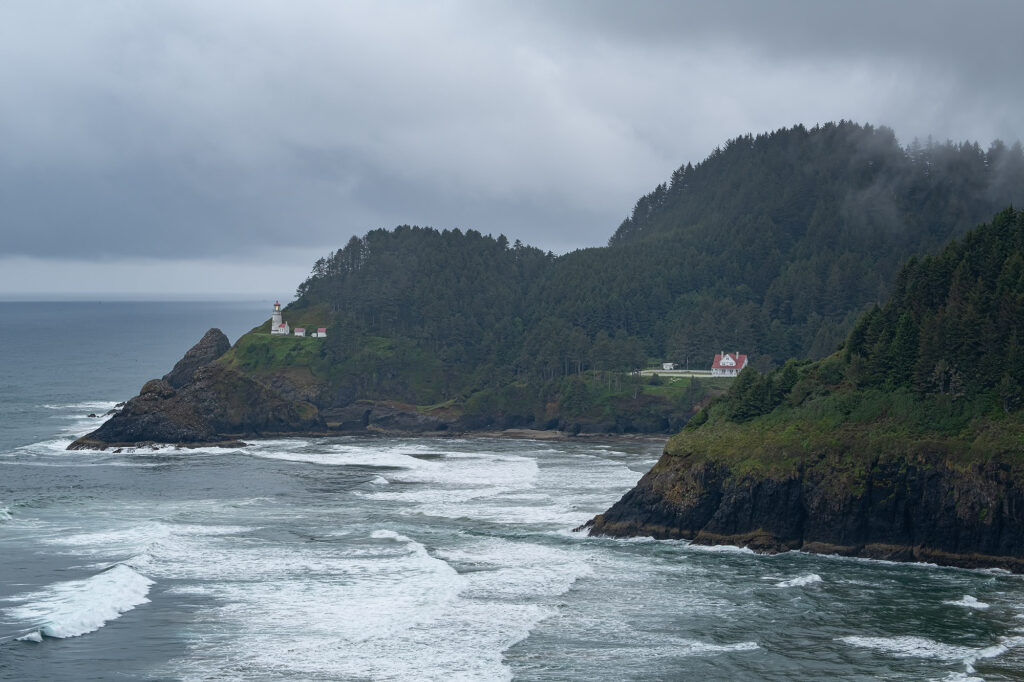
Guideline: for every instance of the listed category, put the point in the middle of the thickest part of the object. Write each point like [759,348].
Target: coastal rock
[213,345]
[369,417]
[157,414]
[389,419]
[920,507]
[219,405]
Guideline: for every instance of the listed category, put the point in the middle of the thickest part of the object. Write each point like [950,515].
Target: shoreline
[236,441]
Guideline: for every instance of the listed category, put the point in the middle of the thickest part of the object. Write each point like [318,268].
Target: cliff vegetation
[906,443]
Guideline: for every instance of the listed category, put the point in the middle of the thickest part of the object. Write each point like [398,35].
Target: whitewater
[413,559]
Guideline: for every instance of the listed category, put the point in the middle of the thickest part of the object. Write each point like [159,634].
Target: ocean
[357,558]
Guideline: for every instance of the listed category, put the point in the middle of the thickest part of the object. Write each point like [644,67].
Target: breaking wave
[77,607]
[800,581]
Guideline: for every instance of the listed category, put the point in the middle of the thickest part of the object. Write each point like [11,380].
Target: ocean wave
[91,405]
[77,607]
[381,606]
[922,647]
[715,549]
[968,602]
[800,581]
[5,514]
[693,647]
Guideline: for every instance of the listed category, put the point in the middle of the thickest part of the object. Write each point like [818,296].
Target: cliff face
[917,506]
[205,402]
[199,403]
[217,406]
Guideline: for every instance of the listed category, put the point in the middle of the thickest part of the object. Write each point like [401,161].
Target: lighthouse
[277,327]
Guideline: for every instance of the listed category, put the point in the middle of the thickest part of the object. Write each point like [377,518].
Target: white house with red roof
[277,327]
[728,364]
[300,331]
[320,333]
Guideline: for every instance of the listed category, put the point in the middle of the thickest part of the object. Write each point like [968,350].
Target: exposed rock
[217,406]
[369,417]
[213,345]
[388,419]
[920,508]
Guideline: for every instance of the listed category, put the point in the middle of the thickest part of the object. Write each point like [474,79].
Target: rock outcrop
[201,402]
[915,507]
[213,345]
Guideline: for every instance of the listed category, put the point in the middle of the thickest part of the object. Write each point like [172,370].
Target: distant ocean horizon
[353,558]
[144,297]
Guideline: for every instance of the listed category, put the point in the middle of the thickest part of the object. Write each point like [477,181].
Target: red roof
[321,329]
[739,360]
[280,325]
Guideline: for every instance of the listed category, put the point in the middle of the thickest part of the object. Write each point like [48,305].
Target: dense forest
[903,445]
[943,352]
[773,246]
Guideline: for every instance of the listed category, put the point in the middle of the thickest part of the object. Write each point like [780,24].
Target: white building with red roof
[277,327]
[728,364]
[320,333]
[300,331]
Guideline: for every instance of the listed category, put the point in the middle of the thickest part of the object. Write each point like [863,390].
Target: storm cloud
[270,132]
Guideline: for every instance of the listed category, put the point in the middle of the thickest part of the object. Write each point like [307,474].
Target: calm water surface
[402,559]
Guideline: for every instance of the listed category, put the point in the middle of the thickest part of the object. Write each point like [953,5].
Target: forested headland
[772,246]
[904,444]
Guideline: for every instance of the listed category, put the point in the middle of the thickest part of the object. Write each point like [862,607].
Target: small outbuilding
[320,333]
[668,366]
[300,331]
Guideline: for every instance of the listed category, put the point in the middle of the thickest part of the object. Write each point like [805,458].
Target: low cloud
[195,131]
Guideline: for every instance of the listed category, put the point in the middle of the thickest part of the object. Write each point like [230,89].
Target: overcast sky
[203,149]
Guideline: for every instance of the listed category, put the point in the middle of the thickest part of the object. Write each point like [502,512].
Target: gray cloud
[197,130]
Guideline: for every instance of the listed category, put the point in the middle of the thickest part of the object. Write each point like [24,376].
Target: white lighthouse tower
[277,327]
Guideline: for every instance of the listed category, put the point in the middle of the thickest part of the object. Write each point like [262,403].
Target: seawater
[404,559]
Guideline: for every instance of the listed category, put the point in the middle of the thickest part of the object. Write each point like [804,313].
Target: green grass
[260,353]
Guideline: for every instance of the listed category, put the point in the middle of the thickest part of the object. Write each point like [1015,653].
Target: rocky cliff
[915,501]
[907,444]
[205,402]
[201,402]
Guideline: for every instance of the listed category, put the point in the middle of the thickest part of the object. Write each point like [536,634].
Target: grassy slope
[600,397]
[854,429]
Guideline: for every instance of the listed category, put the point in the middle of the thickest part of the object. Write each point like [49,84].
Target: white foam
[715,549]
[517,571]
[76,607]
[912,647]
[800,581]
[5,514]
[693,647]
[380,480]
[378,606]
[391,456]
[497,487]
[968,602]
[88,405]
[922,647]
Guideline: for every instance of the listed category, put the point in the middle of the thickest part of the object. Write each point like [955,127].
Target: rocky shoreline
[86,443]
[914,507]
[201,403]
